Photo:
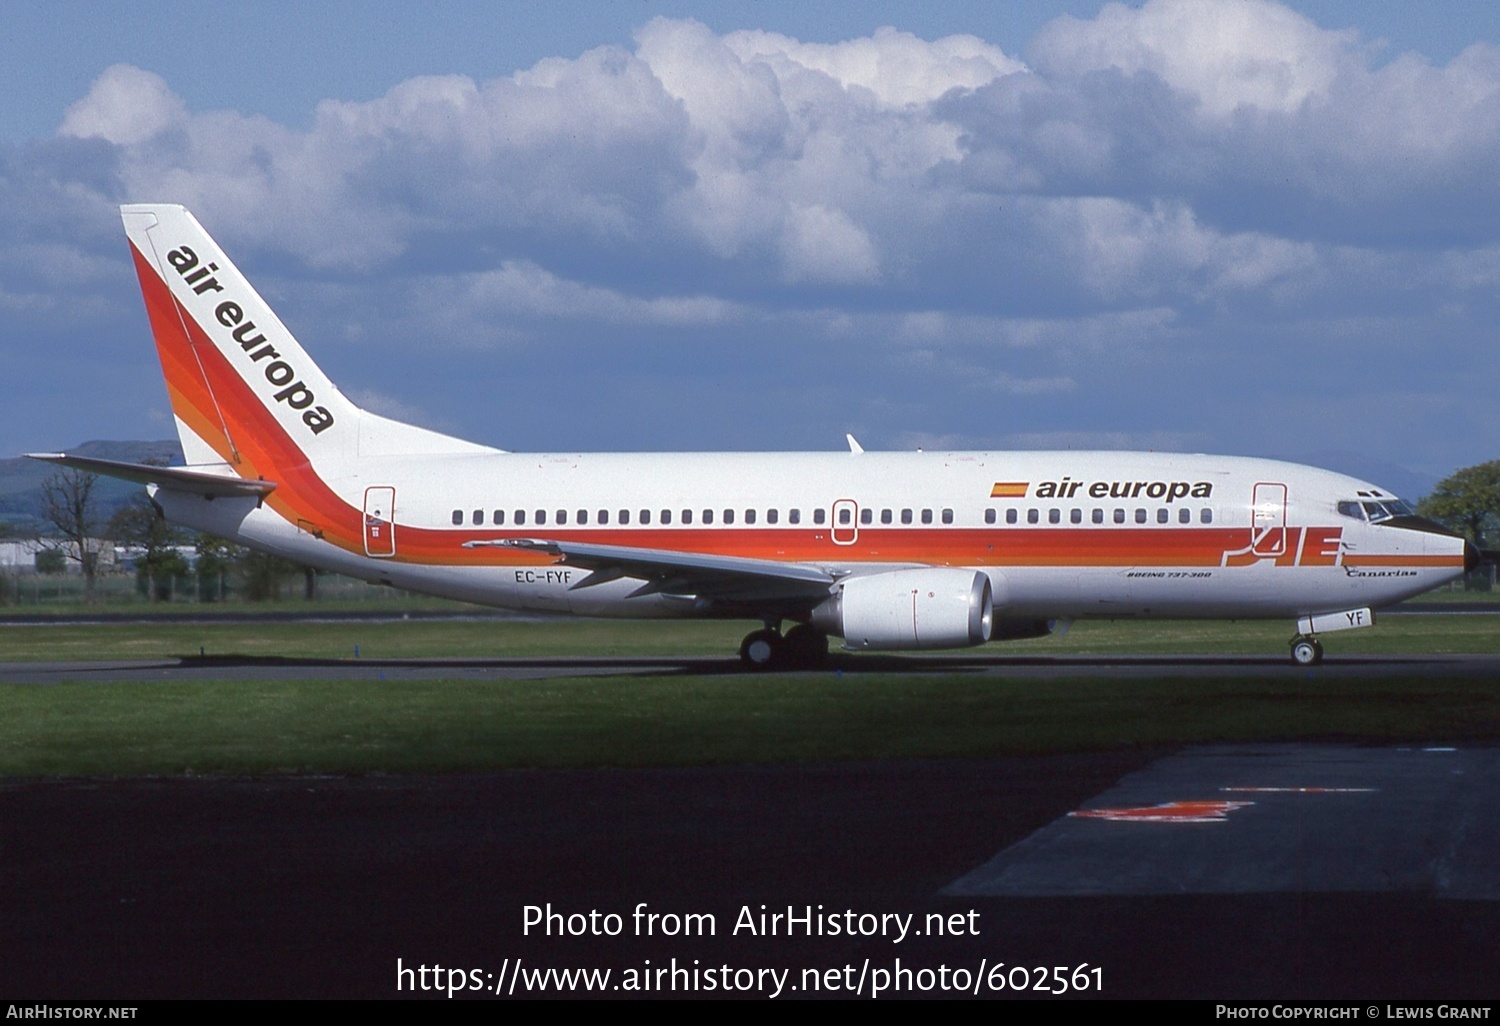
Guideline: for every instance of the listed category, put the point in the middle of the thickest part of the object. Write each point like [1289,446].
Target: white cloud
[1172,183]
[824,245]
[1227,54]
[897,68]
[126,106]
[525,289]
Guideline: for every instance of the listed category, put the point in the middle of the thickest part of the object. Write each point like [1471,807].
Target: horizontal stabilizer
[176,479]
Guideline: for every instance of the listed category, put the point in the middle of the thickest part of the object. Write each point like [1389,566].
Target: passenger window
[1161,515]
[562,516]
[1054,516]
[1033,516]
[458,517]
[541,516]
[729,516]
[1076,516]
[499,517]
[1184,516]
[666,516]
[927,516]
[604,516]
[794,516]
[843,516]
[989,516]
[885,516]
[1010,516]
[817,516]
[749,516]
[624,516]
[583,516]
[947,516]
[867,516]
[1207,516]
[477,517]
[1097,516]
[708,516]
[520,517]
[687,516]
[772,516]
[1140,516]
[1119,516]
[906,516]
[645,517]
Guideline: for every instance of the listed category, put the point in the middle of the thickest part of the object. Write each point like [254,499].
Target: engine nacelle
[936,607]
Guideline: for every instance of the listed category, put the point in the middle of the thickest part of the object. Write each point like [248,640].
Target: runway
[1272,819]
[315,887]
[1267,667]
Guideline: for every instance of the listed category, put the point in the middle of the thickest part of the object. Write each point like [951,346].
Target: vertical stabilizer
[243,390]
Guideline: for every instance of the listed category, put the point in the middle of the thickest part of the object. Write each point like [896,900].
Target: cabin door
[380,522]
[1268,520]
[845,522]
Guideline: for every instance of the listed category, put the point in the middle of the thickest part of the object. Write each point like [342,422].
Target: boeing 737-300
[886,550]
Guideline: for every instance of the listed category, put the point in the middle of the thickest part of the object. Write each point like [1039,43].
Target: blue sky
[1213,225]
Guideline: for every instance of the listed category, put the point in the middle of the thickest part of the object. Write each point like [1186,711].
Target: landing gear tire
[1307,651]
[762,650]
[806,647]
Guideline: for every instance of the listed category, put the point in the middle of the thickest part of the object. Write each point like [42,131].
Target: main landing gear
[1306,651]
[804,647]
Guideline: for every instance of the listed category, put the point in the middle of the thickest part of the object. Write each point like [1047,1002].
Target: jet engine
[935,607]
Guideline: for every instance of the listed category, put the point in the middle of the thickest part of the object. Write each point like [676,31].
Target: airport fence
[38,592]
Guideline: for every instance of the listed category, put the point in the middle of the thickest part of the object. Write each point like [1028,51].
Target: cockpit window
[1383,510]
[1351,509]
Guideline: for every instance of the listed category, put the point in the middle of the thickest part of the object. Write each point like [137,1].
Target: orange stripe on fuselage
[1456,559]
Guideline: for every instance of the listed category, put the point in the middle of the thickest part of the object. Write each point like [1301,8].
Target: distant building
[18,556]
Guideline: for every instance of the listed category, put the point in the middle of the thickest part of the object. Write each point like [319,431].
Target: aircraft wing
[728,578]
[177,479]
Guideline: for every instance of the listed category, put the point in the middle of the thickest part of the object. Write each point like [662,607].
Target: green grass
[396,639]
[374,726]
[495,638]
[436,726]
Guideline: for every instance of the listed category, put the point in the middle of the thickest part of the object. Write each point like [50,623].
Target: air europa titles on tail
[229,314]
[894,551]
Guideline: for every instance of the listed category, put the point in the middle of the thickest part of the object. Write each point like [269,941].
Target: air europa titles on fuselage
[230,315]
[1169,491]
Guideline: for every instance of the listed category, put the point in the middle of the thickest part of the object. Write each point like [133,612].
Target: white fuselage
[1070,534]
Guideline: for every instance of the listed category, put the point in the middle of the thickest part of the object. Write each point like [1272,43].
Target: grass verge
[498,639]
[316,726]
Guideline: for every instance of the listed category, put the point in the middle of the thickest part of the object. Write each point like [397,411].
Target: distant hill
[21,479]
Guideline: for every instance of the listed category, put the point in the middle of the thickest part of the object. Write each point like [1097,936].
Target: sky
[1205,225]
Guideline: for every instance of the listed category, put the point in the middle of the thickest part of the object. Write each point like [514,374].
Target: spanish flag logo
[1009,489]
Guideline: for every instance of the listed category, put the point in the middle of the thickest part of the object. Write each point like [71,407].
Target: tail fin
[244,392]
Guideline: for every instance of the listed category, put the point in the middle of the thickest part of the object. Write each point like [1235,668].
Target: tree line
[70,507]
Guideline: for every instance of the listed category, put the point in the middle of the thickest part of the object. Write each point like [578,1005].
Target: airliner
[892,551]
